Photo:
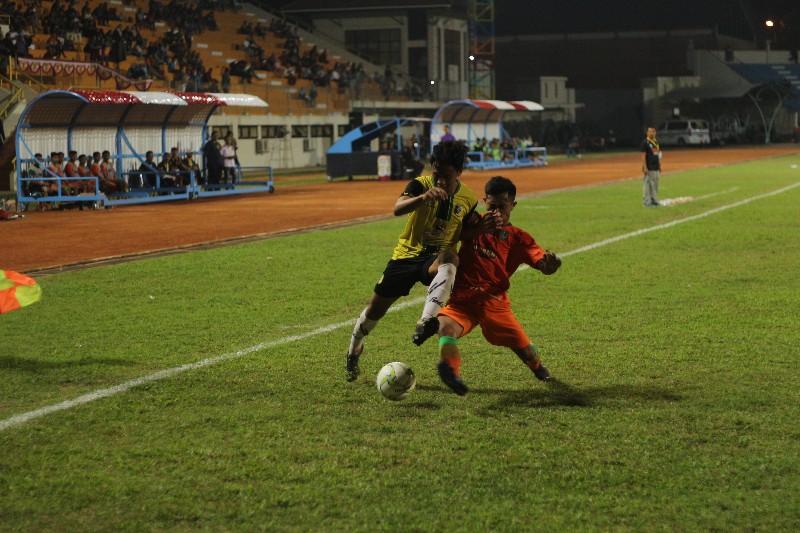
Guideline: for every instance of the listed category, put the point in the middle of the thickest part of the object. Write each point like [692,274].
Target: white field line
[169,372]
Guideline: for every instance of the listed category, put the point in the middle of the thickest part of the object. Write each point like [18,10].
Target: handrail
[10,102]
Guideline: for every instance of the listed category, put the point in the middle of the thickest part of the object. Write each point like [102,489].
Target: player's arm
[644,162]
[542,260]
[415,195]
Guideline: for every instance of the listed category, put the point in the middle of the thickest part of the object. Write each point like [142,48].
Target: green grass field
[676,405]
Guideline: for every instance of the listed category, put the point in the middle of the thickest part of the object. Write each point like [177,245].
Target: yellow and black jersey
[434,226]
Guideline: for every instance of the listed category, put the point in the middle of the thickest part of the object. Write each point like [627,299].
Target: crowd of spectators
[73,25]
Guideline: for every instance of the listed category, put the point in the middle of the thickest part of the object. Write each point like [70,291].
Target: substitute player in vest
[486,262]
[437,207]
[651,167]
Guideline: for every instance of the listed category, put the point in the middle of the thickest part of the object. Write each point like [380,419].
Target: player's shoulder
[465,191]
[518,234]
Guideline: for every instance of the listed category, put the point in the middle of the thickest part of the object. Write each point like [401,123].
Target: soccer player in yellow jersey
[437,207]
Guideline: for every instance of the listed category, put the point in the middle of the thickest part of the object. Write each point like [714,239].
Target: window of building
[322,130]
[248,132]
[273,132]
[381,46]
[222,130]
[299,132]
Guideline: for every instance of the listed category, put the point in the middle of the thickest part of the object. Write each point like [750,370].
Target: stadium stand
[784,74]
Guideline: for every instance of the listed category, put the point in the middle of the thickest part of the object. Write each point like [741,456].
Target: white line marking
[169,372]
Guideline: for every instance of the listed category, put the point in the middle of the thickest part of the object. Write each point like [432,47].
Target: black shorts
[401,275]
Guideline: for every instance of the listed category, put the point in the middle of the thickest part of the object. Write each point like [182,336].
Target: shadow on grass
[558,393]
[34,365]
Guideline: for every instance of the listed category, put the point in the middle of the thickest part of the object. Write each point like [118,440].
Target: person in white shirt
[229,160]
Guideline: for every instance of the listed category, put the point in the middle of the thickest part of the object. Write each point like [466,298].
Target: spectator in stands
[312,96]
[213,158]
[226,80]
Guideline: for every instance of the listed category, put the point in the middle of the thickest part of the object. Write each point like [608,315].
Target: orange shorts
[492,313]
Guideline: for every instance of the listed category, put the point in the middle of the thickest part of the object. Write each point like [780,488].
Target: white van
[683,132]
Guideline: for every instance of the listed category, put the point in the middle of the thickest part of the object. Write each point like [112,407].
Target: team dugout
[480,124]
[128,125]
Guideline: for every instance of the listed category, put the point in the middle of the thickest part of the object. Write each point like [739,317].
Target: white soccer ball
[396,380]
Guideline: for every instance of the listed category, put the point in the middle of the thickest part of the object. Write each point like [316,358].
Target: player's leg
[366,322]
[530,356]
[449,366]
[501,328]
[443,274]
[398,278]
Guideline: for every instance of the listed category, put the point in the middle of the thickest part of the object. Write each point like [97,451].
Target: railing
[9,103]
[520,157]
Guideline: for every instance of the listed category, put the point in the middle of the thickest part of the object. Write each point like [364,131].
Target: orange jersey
[488,261]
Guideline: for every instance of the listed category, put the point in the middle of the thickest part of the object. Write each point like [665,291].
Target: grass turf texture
[676,405]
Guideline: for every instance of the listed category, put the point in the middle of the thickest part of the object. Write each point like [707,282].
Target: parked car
[683,132]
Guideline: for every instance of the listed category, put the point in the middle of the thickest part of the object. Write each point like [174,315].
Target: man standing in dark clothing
[213,157]
[651,167]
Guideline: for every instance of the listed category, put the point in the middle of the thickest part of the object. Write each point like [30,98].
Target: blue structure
[785,74]
[471,120]
[127,124]
[352,155]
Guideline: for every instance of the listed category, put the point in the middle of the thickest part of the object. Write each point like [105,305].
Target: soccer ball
[396,380]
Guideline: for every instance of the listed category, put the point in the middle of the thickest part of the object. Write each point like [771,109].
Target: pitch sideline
[162,374]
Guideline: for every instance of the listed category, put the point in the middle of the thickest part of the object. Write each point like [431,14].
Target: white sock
[439,290]
[362,328]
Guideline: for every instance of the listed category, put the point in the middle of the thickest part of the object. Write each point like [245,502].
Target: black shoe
[424,330]
[351,368]
[541,372]
[450,379]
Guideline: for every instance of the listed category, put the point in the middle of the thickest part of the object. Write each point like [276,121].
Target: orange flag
[17,291]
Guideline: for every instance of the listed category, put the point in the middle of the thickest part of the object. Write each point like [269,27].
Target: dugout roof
[125,123]
[473,119]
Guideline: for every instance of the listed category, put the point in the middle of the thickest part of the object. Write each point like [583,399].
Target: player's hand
[491,222]
[434,194]
[548,264]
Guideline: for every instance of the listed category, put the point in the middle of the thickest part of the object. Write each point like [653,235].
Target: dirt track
[46,239]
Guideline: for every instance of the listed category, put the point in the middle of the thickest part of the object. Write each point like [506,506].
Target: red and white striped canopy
[481,111]
[169,98]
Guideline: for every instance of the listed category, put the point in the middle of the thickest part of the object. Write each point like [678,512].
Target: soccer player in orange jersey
[486,262]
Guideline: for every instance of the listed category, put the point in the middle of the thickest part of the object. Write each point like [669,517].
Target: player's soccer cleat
[424,330]
[450,378]
[541,372]
[351,368]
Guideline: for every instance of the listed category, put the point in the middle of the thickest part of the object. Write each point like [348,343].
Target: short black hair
[453,153]
[497,185]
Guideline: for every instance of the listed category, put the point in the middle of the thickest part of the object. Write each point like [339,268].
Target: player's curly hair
[497,185]
[452,153]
